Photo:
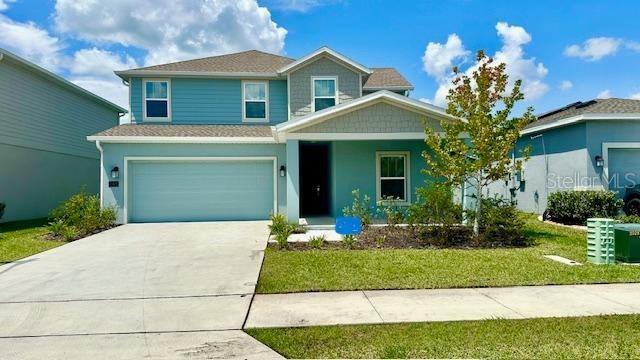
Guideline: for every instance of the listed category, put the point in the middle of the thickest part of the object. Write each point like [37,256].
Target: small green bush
[391,211]
[501,224]
[445,235]
[629,219]
[349,241]
[361,207]
[2,207]
[281,229]
[575,207]
[435,205]
[81,215]
[317,241]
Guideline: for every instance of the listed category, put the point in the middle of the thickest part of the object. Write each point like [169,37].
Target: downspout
[546,168]
[99,146]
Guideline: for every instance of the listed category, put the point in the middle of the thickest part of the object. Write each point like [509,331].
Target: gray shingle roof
[166,130]
[382,78]
[252,61]
[596,106]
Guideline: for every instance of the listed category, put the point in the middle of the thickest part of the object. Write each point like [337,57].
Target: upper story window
[157,106]
[393,176]
[255,103]
[325,92]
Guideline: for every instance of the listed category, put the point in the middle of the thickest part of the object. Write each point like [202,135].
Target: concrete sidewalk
[396,306]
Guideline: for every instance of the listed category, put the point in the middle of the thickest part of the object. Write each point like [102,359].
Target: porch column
[293,180]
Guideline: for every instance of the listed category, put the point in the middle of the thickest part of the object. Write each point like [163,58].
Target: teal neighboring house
[243,135]
[44,121]
[586,145]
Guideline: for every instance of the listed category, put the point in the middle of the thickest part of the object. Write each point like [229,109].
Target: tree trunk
[476,220]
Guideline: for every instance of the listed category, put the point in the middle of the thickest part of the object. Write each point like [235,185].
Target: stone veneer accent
[377,118]
[300,84]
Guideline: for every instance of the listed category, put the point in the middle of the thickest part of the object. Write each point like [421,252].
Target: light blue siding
[200,191]
[277,101]
[353,166]
[210,101]
[135,91]
[44,154]
[114,156]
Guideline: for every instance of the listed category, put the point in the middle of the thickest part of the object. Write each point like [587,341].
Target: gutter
[580,118]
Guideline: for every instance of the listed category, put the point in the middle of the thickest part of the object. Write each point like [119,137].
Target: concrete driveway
[156,291]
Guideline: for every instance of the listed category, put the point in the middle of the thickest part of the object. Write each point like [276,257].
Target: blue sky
[564,51]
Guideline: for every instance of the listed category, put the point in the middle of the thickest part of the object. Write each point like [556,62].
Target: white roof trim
[356,136]
[60,79]
[214,74]
[322,52]
[183,139]
[580,118]
[382,95]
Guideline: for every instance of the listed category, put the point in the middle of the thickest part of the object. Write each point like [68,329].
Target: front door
[314,179]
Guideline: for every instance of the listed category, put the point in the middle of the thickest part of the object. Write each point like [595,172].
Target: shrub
[349,241]
[501,224]
[629,219]
[82,213]
[56,228]
[391,211]
[575,207]
[2,207]
[361,207]
[445,235]
[435,205]
[281,229]
[380,240]
[317,241]
[69,233]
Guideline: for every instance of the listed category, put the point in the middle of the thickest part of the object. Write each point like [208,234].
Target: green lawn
[324,270]
[605,337]
[24,238]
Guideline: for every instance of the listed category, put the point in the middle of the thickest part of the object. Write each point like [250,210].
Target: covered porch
[373,144]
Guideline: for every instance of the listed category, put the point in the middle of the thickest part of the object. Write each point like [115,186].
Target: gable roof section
[324,52]
[252,62]
[367,100]
[59,79]
[385,78]
[596,109]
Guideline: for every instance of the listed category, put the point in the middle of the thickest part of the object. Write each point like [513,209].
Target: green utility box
[627,243]
[600,245]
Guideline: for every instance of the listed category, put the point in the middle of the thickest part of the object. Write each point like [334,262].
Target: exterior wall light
[599,161]
[115,172]
[283,171]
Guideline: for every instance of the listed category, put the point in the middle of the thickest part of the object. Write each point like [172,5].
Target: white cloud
[4,4]
[635,96]
[172,30]
[438,59]
[100,63]
[513,38]
[93,69]
[302,6]
[604,94]
[632,45]
[594,49]
[428,101]
[31,42]
[566,85]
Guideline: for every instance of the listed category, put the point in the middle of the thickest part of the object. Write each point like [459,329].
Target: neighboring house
[44,121]
[584,145]
[239,136]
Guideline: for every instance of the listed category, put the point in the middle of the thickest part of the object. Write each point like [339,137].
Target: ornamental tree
[477,150]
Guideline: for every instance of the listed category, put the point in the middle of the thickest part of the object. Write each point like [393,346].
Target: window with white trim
[255,101]
[325,92]
[393,176]
[156,100]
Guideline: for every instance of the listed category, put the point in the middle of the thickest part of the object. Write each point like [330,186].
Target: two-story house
[239,136]
[44,154]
